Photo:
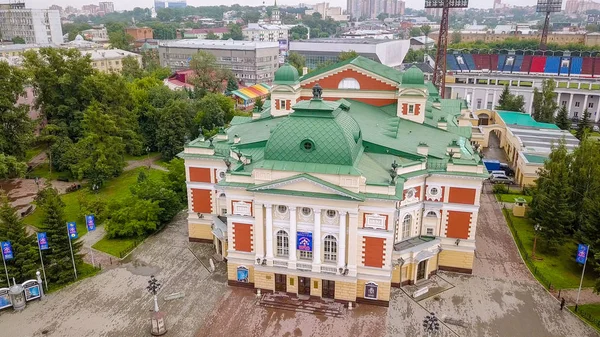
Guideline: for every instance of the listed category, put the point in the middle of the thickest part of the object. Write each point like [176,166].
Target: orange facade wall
[373,252]
[458,224]
[366,82]
[370,101]
[462,195]
[201,200]
[200,174]
[242,237]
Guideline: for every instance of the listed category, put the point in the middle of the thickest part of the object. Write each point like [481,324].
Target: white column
[259,230]
[269,234]
[570,106]
[585,104]
[494,100]
[293,234]
[317,241]
[557,99]
[354,244]
[485,101]
[341,256]
[597,115]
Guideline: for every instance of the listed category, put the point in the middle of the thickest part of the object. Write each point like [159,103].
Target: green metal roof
[361,62]
[413,76]
[316,132]
[535,159]
[286,74]
[523,119]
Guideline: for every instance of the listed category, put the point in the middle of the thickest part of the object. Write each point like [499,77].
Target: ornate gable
[305,183]
[366,80]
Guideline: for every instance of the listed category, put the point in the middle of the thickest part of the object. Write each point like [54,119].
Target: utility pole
[547,6]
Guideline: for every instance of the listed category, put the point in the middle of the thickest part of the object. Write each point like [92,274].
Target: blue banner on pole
[304,241]
[72,228]
[7,250]
[42,241]
[582,252]
[90,222]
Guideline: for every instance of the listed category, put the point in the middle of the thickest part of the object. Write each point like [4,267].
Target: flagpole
[582,273]
[71,247]
[5,270]
[91,250]
[42,260]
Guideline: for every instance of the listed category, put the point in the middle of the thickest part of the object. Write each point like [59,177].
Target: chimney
[423,149]
[236,139]
[304,71]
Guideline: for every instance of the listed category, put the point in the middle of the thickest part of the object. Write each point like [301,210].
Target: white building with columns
[353,179]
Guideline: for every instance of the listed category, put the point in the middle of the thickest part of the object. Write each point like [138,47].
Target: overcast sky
[121,4]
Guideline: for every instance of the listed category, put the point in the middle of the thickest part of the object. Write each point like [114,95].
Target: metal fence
[129,248]
[592,319]
[528,261]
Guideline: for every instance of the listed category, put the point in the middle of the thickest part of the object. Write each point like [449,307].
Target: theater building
[353,179]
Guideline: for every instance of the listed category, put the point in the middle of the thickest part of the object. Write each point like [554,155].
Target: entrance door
[328,289]
[280,282]
[421,270]
[303,285]
[220,247]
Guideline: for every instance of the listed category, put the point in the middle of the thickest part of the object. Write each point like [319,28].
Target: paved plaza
[500,299]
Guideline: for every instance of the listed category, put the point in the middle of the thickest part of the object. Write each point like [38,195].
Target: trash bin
[17,296]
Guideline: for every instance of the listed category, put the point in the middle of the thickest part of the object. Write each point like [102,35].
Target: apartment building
[35,26]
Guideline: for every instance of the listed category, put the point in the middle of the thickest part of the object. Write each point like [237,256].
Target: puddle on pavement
[140,268]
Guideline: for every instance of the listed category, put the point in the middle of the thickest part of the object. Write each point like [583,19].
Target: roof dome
[317,132]
[413,75]
[78,37]
[286,74]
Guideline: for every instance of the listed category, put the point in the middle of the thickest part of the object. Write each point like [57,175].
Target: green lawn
[32,152]
[83,271]
[43,171]
[573,85]
[595,86]
[129,157]
[117,188]
[114,246]
[589,313]
[559,267]
[562,84]
[511,197]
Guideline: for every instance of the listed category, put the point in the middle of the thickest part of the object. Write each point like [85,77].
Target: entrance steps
[283,301]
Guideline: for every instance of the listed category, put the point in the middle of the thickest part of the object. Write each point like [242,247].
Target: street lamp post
[148,156]
[537,228]
[431,325]
[157,320]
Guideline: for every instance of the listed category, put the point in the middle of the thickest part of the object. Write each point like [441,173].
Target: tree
[414,32]
[175,179]
[456,37]
[211,36]
[131,217]
[584,179]
[18,40]
[426,29]
[382,16]
[153,190]
[16,128]
[101,151]
[544,102]
[25,262]
[562,118]
[235,32]
[214,111]
[250,16]
[10,167]
[58,258]
[510,102]
[583,125]
[346,55]
[131,68]
[551,207]
[298,33]
[172,128]
[208,76]
[232,83]
[120,40]
[297,60]
[57,76]
[414,56]
[258,104]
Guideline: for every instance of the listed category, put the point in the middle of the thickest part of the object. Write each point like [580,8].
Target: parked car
[501,179]
[500,172]
[507,170]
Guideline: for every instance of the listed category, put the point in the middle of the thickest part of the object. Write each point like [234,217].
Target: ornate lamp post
[431,325]
[537,228]
[159,325]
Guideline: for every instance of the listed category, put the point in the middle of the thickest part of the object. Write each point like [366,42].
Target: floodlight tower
[547,6]
[439,73]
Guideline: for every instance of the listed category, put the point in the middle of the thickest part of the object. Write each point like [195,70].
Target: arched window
[283,243]
[406,225]
[431,214]
[349,83]
[330,248]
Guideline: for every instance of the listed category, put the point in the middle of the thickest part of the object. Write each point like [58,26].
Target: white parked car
[501,179]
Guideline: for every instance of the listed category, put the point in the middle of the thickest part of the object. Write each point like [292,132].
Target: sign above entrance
[304,241]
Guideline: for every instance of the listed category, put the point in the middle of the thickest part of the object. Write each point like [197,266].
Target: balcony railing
[304,266]
[329,269]
[277,263]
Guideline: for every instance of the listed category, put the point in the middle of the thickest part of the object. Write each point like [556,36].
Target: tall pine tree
[60,266]
[584,125]
[544,102]
[504,99]
[562,118]
[26,259]
[551,207]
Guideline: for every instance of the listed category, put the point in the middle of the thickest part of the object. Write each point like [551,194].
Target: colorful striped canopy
[252,92]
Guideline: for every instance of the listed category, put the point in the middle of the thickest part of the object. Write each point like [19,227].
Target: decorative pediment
[305,185]
[366,79]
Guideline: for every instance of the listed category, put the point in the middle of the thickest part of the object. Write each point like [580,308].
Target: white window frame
[242,208]
[304,255]
[411,109]
[349,83]
[407,223]
[283,243]
[330,248]
[375,221]
[282,105]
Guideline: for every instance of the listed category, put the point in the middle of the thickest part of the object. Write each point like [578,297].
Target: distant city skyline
[128,5]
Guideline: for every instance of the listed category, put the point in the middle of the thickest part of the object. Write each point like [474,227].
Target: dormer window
[282,104]
[349,83]
[411,109]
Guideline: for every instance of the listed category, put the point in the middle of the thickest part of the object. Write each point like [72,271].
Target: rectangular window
[282,104]
[429,231]
[575,114]
[411,109]
[305,255]
[564,103]
[590,105]
[489,105]
[577,104]
[479,104]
